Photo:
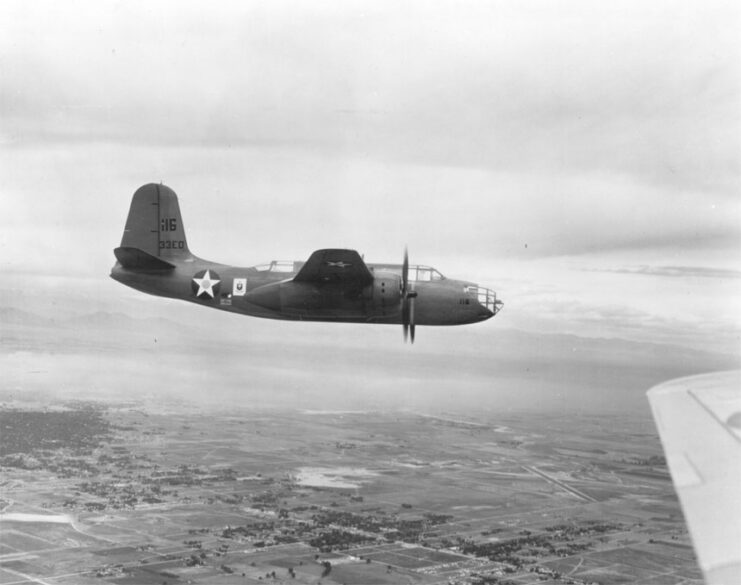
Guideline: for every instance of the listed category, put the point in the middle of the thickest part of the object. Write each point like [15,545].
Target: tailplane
[154,237]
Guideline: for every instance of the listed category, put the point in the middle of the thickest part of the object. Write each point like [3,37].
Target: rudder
[154,225]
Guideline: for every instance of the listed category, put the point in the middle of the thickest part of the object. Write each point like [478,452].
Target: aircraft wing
[699,421]
[344,267]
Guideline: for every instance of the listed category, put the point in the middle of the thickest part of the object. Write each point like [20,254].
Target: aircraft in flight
[334,285]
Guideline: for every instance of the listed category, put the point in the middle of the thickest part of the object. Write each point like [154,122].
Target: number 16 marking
[168,224]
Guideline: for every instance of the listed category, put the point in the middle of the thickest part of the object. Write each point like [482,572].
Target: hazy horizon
[188,357]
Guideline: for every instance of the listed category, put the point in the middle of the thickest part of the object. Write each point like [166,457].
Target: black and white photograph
[370,292]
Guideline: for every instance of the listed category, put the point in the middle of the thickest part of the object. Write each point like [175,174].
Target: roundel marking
[205,284]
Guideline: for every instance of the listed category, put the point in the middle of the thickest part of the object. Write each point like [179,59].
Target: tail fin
[154,236]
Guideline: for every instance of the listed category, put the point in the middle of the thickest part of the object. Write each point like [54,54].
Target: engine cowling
[384,295]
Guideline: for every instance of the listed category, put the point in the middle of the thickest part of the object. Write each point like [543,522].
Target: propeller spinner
[408,294]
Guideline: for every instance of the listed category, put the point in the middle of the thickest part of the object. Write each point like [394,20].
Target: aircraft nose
[488,303]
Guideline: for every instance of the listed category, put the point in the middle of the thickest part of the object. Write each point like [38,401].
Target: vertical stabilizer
[154,225]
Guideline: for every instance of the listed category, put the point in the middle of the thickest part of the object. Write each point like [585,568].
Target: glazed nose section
[487,300]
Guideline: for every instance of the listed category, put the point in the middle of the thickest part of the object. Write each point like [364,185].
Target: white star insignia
[206,284]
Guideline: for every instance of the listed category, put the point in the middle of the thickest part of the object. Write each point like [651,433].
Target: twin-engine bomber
[333,285]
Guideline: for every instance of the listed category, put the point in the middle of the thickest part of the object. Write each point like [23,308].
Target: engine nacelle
[384,295]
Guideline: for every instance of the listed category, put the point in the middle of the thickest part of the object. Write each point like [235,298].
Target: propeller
[408,294]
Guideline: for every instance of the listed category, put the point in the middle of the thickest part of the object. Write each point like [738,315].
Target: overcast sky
[581,158]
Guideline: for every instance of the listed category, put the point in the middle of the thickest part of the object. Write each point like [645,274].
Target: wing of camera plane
[699,421]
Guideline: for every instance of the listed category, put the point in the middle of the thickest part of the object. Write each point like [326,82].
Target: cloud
[525,130]
[676,271]
[611,320]
[650,92]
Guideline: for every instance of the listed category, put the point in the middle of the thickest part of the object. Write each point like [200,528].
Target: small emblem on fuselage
[239,287]
[339,264]
[205,284]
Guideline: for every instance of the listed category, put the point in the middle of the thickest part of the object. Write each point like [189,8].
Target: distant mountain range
[547,346]
[13,316]
[96,320]
[343,365]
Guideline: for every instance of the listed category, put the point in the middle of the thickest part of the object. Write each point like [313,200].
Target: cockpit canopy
[280,266]
[417,272]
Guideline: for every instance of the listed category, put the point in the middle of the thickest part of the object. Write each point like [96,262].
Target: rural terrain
[151,450]
[95,493]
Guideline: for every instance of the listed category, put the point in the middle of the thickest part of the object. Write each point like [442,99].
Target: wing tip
[697,382]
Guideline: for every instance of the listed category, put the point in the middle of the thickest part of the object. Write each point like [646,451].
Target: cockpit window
[281,266]
[278,266]
[423,275]
[416,272]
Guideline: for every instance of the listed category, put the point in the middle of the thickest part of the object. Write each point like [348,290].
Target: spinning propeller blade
[408,294]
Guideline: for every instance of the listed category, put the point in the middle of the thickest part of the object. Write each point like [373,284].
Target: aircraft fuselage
[273,294]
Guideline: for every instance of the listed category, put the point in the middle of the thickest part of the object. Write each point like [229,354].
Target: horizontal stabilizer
[136,259]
